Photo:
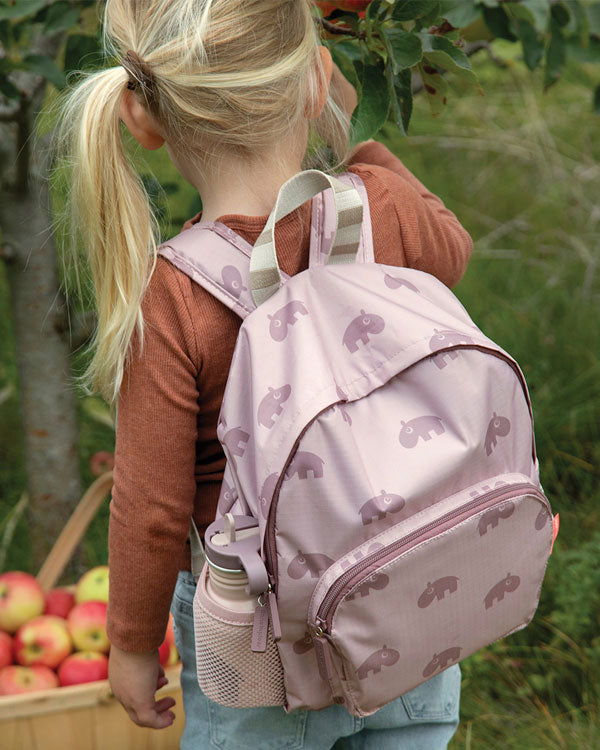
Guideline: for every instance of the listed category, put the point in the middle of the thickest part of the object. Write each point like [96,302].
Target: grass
[521,169]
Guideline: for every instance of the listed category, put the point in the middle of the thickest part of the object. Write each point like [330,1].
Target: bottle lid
[232,543]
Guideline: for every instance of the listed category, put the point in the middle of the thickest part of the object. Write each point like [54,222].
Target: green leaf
[441,52]
[81,52]
[7,88]
[377,8]
[405,48]
[411,9]
[498,23]
[540,12]
[61,16]
[533,47]
[589,54]
[593,14]
[459,13]
[435,87]
[374,104]
[596,101]
[555,55]
[560,14]
[5,33]
[45,66]
[344,63]
[518,10]
[20,8]
[400,89]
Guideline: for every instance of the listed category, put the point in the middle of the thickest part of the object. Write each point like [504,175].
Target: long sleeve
[432,238]
[154,483]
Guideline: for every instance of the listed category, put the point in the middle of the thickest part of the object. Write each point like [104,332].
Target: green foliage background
[521,169]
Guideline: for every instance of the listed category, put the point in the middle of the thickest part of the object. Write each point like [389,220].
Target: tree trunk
[48,401]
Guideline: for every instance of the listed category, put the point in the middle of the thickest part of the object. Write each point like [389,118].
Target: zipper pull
[260,627]
[274,613]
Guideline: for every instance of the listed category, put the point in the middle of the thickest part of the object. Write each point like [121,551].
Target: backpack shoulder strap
[323,223]
[218,259]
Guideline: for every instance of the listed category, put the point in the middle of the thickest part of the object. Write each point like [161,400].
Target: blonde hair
[218,76]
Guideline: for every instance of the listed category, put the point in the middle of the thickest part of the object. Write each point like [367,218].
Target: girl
[232,89]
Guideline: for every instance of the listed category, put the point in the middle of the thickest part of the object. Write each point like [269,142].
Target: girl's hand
[134,678]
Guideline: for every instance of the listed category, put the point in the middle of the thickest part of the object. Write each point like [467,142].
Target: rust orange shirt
[168,461]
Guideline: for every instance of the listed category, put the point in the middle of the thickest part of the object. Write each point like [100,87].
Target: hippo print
[437,590]
[385,657]
[272,405]
[266,493]
[484,489]
[443,339]
[541,518]
[232,281]
[376,581]
[380,505]
[284,317]
[235,441]
[420,427]
[304,644]
[227,498]
[492,516]
[343,397]
[496,593]
[442,660]
[360,328]
[358,556]
[303,463]
[314,563]
[394,282]
[498,427]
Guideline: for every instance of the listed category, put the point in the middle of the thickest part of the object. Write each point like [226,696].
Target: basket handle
[74,530]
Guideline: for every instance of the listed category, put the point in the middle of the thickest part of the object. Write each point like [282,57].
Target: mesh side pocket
[229,672]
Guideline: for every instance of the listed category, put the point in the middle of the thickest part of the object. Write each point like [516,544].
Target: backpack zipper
[324,617]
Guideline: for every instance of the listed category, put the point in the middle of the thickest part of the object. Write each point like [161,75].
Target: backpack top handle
[265,274]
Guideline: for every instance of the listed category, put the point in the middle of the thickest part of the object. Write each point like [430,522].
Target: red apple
[101,462]
[87,625]
[83,666]
[326,8]
[15,680]
[93,585]
[59,601]
[358,6]
[21,598]
[44,640]
[6,650]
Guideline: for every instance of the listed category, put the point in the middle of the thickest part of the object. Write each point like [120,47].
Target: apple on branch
[21,598]
[15,680]
[86,623]
[83,666]
[93,585]
[44,640]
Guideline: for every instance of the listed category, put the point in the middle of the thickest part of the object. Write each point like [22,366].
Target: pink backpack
[385,446]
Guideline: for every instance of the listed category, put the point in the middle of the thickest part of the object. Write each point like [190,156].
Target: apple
[86,623]
[15,680]
[358,6]
[83,666]
[93,585]
[101,462]
[21,598]
[6,649]
[59,601]
[44,640]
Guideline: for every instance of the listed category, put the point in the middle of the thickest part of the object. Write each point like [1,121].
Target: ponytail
[111,215]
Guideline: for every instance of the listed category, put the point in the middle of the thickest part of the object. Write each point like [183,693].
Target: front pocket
[430,591]
[229,672]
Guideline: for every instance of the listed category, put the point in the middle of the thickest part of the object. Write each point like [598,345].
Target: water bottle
[236,572]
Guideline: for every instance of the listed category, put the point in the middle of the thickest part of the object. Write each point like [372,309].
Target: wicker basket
[88,716]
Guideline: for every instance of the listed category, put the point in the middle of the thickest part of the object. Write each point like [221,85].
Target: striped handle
[265,275]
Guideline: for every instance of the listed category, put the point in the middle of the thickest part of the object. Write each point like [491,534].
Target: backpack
[385,446]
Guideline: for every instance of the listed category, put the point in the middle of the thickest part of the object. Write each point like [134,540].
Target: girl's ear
[138,122]
[314,109]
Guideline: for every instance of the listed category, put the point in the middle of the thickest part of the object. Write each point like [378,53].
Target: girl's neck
[235,186]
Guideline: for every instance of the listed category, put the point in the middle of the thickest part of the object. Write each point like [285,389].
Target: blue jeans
[423,719]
